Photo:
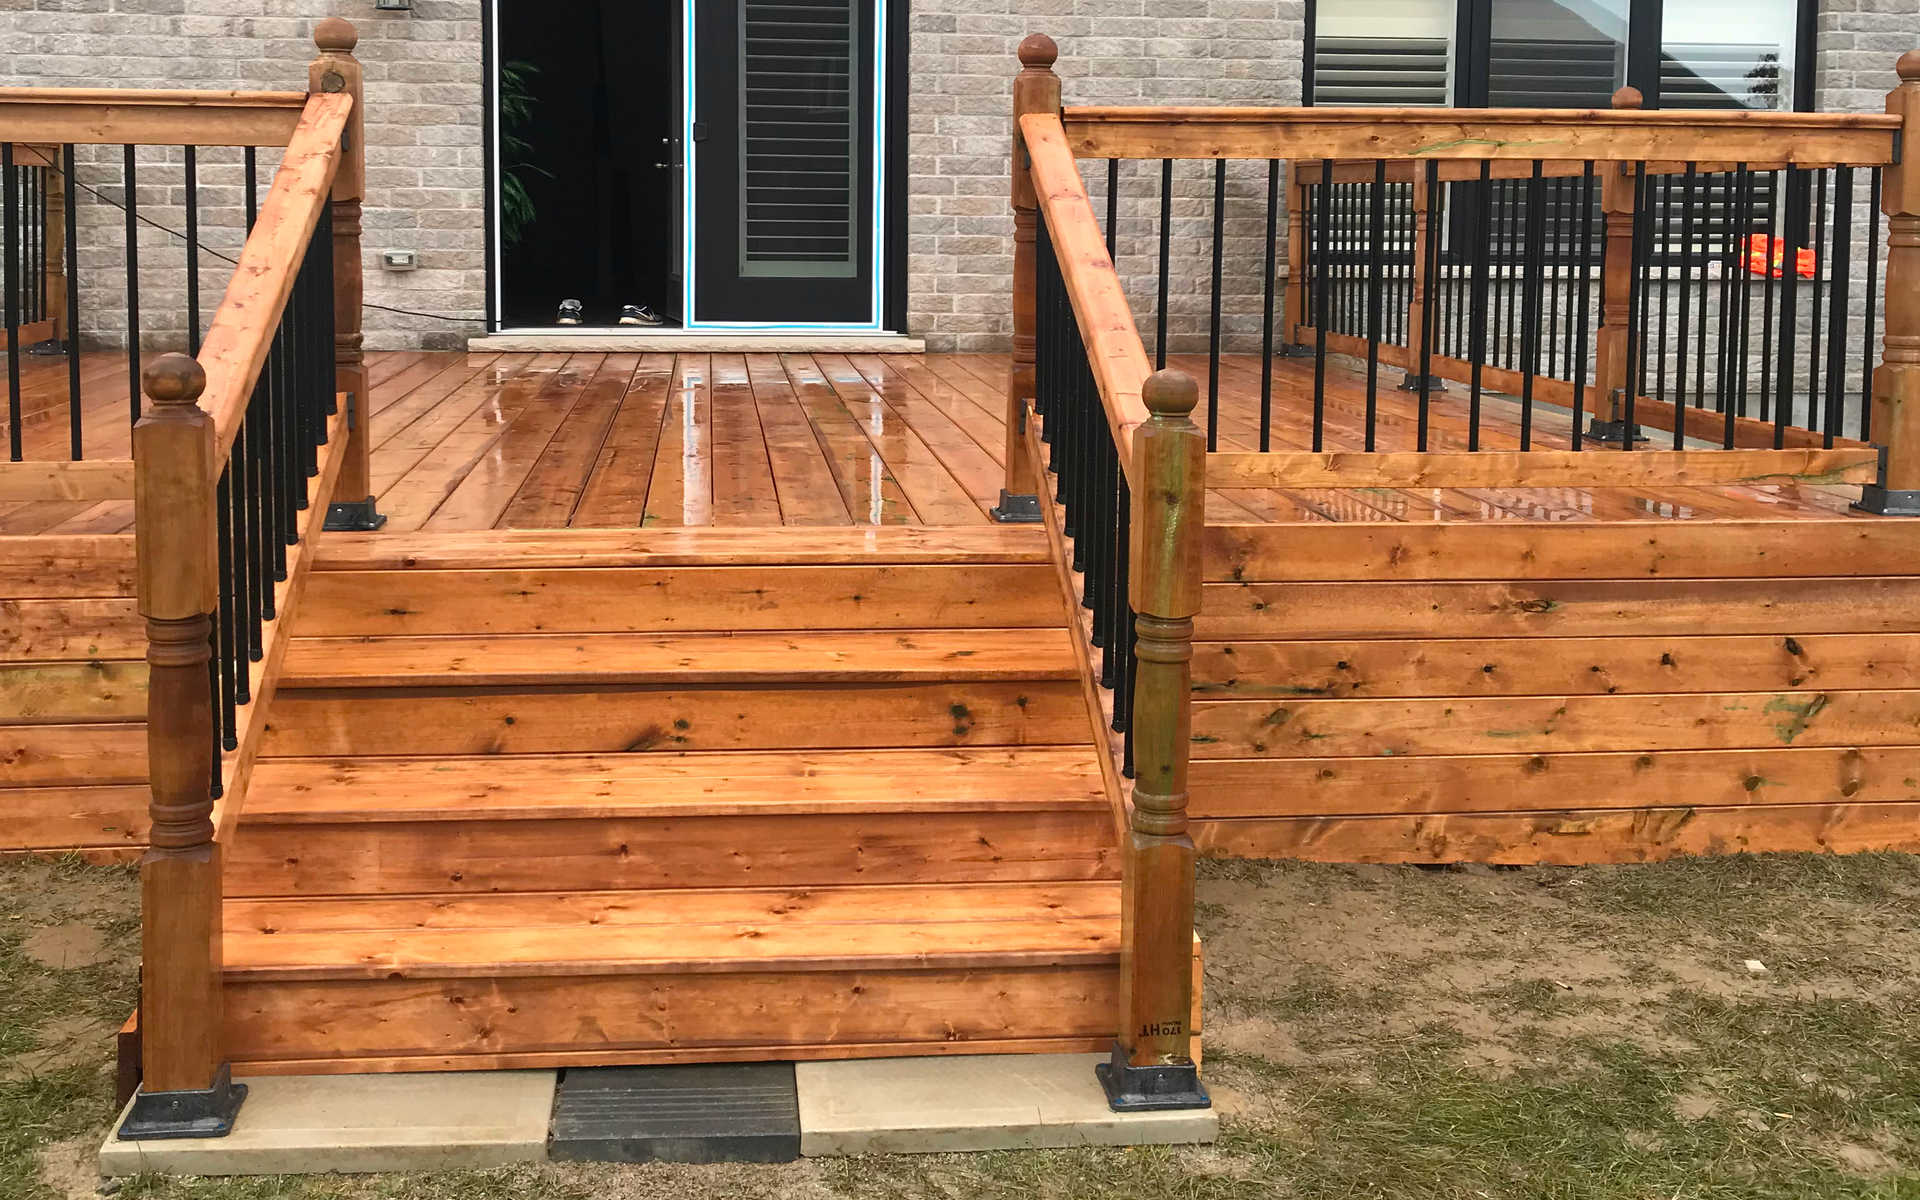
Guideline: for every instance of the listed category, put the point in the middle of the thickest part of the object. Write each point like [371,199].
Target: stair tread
[850,656]
[673,931]
[556,786]
[719,546]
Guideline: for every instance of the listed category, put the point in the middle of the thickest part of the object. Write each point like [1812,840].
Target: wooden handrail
[1580,134]
[1114,350]
[148,117]
[241,333]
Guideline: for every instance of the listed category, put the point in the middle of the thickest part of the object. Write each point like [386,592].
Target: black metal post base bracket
[191,1114]
[1887,502]
[1614,433]
[1158,1088]
[1412,383]
[354,515]
[1294,350]
[1016,510]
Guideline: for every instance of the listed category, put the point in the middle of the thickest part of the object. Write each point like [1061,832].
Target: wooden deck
[480,441]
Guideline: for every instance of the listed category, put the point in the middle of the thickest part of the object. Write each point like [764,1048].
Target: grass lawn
[1569,1034]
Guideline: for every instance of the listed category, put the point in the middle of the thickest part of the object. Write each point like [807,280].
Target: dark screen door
[783,155]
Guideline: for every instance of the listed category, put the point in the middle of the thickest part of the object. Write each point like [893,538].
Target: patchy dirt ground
[1703,1030]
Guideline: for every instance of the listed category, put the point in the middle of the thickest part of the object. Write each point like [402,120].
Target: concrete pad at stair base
[974,1102]
[419,1122]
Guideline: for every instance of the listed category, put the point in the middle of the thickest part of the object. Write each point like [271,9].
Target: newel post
[1297,235]
[1419,347]
[1152,1065]
[1036,89]
[1896,381]
[1611,369]
[54,298]
[185,1089]
[337,70]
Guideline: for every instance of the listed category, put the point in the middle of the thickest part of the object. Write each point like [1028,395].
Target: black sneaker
[571,313]
[639,314]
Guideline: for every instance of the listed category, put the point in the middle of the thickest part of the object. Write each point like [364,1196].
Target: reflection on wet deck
[478,441]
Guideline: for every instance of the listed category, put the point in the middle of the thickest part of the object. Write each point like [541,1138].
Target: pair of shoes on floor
[572,312]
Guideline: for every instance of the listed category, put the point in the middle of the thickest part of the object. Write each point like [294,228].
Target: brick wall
[425,161]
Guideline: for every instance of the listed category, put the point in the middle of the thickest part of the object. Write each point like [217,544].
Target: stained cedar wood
[1804,139]
[811,435]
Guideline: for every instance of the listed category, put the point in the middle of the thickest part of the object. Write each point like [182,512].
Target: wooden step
[681,599]
[289,791]
[531,824]
[679,547]
[575,978]
[736,658]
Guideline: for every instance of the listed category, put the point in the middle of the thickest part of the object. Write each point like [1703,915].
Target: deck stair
[647,796]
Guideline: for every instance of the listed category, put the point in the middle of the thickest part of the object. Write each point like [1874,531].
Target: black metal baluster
[1554,256]
[1376,265]
[1321,282]
[1839,270]
[10,284]
[1113,206]
[1743,293]
[1477,318]
[133,283]
[192,170]
[1429,314]
[1532,267]
[70,191]
[1688,183]
[1166,238]
[1661,257]
[1789,318]
[1266,304]
[1213,317]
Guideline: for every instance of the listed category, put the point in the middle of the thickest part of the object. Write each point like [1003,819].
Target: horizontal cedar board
[509,786]
[1311,171]
[163,117]
[682,599]
[1476,725]
[416,721]
[1842,546]
[820,907]
[73,692]
[515,1015]
[745,658]
[590,1056]
[56,818]
[1573,838]
[69,630]
[1603,134]
[72,755]
[1542,468]
[774,850]
[689,947]
[678,547]
[106,479]
[1565,608]
[52,566]
[1546,783]
[1554,666]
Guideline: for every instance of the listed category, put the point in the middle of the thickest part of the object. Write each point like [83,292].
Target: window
[1558,53]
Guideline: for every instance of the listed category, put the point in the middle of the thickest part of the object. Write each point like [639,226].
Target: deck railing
[236,454]
[1527,255]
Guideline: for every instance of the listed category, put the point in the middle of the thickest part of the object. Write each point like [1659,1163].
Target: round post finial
[1170,393]
[1038,53]
[335,35]
[1629,97]
[1908,67]
[174,379]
